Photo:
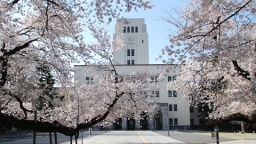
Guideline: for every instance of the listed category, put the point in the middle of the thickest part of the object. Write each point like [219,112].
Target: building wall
[182,113]
[137,40]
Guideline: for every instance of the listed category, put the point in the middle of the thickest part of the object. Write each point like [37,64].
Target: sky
[158,30]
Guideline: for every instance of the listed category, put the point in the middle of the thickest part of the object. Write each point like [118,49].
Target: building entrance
[158,121]
[144,124]
[118,124]
[130,124]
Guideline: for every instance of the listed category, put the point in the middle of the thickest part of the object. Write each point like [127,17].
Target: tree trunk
[70,139]
[34,132]
[50,135]
[76,136]
[55,137]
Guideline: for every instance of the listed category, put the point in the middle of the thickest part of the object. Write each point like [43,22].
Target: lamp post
[217,134]
[242,128]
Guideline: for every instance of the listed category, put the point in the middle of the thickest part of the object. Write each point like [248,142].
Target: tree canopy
[215,41]
[52,33]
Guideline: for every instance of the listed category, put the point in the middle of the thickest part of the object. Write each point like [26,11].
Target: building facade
[134,56]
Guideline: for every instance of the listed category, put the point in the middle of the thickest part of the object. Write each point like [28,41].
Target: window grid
[136,29]
[157,94]
[133,62]
[132,29]
[175,121]
[169,93]
[170,121]
[175,107]
[132,52]
[174,93]
[170,107]
[128,29]
[128,52]
[128,62]
[169,78]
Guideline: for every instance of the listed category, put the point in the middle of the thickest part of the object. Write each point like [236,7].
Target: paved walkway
[128,137]
[195,138]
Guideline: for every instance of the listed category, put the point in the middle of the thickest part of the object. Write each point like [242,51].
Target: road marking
[144,141]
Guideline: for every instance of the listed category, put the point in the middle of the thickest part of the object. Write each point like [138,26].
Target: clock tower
[135,42]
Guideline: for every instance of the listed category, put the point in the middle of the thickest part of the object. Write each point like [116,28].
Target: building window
[124,29]
[191,109]
[136,29]
[142,41]
[133,62]
[170,107]
[170,121]
[89,80]
[175,121]
[169,78]
[132,29]
[128,52]
[192,122]
[132,52]
[154,79]
[128,62]
[174,93]
[169,93]
[128,29]
[157,93]
[151,79]
[175,107]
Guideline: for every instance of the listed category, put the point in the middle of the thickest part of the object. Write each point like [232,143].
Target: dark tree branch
[18,48]
[226,19]
[38,125]
[213,29]
[18,100]
[240,71]
[47,19]
[6,104]
[52,2]
[3,78]
[14,2]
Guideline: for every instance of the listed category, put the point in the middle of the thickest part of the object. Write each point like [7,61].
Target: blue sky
[158,30]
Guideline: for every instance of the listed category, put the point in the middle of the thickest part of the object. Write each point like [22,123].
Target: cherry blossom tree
[215,48]
[52,33]
[111,95]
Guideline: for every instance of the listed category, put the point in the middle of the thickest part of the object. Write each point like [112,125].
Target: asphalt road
[192,137]
[126,137]
[100,137]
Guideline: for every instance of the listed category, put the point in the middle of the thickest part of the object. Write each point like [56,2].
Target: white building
[134,56]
